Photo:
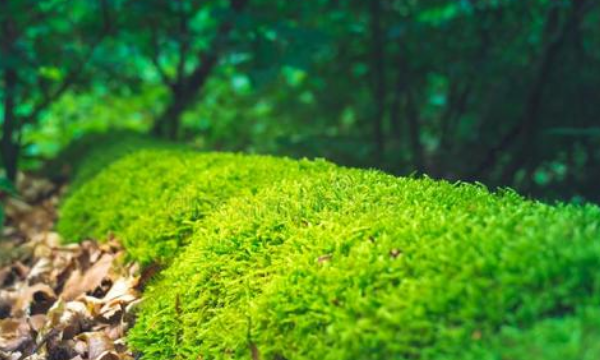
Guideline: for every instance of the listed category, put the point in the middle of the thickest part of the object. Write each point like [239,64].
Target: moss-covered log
[271,258]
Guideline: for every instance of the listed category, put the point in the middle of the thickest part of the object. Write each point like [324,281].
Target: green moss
[305,260]
[574,337]
[151,199]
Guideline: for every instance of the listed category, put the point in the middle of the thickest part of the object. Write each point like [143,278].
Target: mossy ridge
[150,199]
[306,260]
[350,264]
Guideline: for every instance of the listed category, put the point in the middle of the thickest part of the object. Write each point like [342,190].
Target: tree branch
[72,77]
[186,88]
[209,58]
[155,57]
[526,125]
[184,41]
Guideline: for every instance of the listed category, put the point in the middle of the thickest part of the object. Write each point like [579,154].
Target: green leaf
[50,73]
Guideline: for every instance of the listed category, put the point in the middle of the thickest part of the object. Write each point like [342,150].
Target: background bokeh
[503,92]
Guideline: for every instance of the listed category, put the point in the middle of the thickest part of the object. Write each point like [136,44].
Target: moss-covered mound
[152,199]
[279,259]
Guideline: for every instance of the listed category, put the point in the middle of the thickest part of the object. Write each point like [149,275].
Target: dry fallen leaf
[14,334]
[61,301]
[98,343]
[107,355]
[37,322]
[35,299]
[79,284]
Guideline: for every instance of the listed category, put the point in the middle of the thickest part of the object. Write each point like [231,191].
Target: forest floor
[71,302]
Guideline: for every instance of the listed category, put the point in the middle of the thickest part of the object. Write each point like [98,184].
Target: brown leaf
[14,334]
[123,289]
[115,332]
[37,322]
[53,317]
[130,311]
[29,219]
[67,319]
[42,300]
[108,355]
[120,346]
[75,319]
[38,298]
[6,276]
[11,274]
[7,301]
[112,313]
[254,351]
[32,189]
[59,349]
[92,250]
[15,208]
[41,270]
[119,296]
[79,284]
[63,276]
[148,274]
[98,343]
[68,302]
[80,347]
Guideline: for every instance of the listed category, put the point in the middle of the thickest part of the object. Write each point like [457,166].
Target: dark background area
[503,92]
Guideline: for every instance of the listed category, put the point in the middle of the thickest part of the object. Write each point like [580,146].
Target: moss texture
[156,196]
[279,259]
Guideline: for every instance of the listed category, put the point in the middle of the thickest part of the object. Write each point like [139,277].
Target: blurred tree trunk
[558,38]
[524,132]
[396,125]
[13,122]
[183,95]
[414,132]
[9,145]
[378,77]
[404,107]
[185,88]
[458,98]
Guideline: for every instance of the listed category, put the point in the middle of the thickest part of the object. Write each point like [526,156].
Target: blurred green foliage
[501,92]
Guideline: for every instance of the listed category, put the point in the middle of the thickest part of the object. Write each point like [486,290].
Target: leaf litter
[71,302]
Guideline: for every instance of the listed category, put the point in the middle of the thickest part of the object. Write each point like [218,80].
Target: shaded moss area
[570,337]
[281,259]
[84,158]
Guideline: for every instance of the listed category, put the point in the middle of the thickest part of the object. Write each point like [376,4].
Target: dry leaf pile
[57,302]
